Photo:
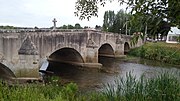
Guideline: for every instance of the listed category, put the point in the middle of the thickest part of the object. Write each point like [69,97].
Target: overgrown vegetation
[178,39]
[51,91]
[164,52]
[164,87]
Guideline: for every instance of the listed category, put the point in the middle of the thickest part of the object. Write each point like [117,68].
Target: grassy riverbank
[163,87]
[160,51]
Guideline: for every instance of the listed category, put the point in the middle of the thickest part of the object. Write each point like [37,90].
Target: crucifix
[54,22]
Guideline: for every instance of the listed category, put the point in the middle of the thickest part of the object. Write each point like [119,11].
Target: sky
[40,13]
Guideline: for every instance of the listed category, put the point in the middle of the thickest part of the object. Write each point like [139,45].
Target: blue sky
[40,13]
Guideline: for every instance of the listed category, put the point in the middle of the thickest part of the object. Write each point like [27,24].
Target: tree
[119,23]
[153,12]
[168,10]
[64,27]
[97,27]
[87,8]
[178,39]
[77,26]
[67,27]
[109,17]
[86,27]
[70,27]
[7,27]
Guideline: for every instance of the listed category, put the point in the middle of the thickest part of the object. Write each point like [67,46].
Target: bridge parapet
[44,30]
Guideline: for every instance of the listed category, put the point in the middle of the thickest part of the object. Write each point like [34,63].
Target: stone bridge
[22,52]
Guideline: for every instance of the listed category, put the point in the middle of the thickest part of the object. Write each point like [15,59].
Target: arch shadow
[126,47]
[106,55]
[106,50]
[64,60]
[5,72]
[66,55]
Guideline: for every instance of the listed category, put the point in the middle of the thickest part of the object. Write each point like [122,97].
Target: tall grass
[164,87]
[51,91]
[168,53]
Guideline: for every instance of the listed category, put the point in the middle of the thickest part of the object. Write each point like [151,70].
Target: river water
[93,79]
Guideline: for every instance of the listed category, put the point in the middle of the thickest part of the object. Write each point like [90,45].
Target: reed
[163,87]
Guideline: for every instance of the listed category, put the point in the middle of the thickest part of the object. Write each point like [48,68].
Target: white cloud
[50,7]
[41,12]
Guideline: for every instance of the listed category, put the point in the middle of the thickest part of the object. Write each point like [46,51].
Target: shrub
[168,53]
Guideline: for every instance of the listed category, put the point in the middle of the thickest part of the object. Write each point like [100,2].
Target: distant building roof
[172,35]
[174,30]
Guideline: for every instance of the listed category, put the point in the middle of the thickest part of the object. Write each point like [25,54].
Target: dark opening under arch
[5,72]
[64,61]
[126,47]
[66,55]
[106,50]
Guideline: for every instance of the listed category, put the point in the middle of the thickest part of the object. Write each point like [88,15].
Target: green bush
[159,52]
[37,92]
[69,92]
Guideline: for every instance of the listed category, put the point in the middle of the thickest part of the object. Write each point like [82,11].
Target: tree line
[127,23]
[69,26]
[149,16]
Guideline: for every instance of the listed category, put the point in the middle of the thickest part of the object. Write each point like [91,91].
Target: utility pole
[126,27]
[145,33]
[129,31]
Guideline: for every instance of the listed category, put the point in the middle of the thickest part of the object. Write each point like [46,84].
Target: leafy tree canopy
[116,22]
[77,26]
[167,10]
[69,26]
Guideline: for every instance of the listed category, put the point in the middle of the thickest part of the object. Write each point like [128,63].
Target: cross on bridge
[54,22]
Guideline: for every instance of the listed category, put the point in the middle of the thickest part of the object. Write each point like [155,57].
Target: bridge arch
[126,47]
[66,55]
[106,50]
[5,72]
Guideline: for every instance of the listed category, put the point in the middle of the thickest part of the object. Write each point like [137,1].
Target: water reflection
[90,79]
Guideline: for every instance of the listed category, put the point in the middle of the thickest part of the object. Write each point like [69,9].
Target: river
[93,79]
